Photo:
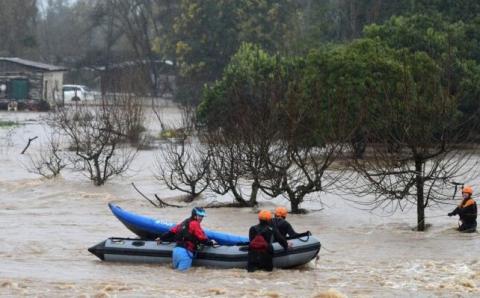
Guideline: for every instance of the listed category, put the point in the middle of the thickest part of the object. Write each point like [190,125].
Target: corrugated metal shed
[33,64]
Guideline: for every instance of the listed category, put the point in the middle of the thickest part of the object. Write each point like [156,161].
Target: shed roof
[33,64]
[130,63]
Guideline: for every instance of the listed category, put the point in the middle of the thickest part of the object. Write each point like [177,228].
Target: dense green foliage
[253,85]
[209,32]
[17,24]
[447,43]
[332,93]
[453,10]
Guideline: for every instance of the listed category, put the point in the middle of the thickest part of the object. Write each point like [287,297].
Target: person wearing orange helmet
[283,226]
[260,249]
[467,210]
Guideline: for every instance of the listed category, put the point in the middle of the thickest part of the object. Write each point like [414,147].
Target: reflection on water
[47,226]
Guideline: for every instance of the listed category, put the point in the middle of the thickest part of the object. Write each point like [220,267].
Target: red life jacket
[188,234]
[183,235]
[259,243]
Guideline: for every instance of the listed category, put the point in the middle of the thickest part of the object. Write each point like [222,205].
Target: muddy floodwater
[47,226]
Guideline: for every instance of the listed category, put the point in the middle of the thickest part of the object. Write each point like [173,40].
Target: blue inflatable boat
[149,228]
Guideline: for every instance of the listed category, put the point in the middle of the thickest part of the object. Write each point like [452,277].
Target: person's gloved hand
[167,236]
[309,233]
[209,243]
[450,214]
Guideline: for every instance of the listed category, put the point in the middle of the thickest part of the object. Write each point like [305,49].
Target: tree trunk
[253,195]
[191,195]
[420,198]
[294,203]
[239,198]
[98,173]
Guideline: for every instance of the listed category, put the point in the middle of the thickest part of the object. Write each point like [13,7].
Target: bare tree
[184,167]
[50,161]
[183,163]
[229,168]
[129,112]
[95,135]
[296,171]
[257,156]
[239,149]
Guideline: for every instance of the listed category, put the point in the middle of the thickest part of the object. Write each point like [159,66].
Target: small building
[30,83]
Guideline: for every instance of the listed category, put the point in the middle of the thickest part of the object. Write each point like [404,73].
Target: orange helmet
[467,189]
[264,215]
[281,212]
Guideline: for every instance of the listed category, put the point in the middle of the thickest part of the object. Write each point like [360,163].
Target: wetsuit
[467,210]
[285,228]
[187,235]
[263,259]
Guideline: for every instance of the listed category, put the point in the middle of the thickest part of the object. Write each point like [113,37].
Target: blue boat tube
[150,228]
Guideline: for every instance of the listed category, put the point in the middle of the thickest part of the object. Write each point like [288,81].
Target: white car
[77,93]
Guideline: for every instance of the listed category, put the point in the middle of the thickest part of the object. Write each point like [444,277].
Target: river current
[47,226]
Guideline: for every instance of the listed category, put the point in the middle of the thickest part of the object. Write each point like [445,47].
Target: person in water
[187,235]
[467,210]
[260,249]
[283,226]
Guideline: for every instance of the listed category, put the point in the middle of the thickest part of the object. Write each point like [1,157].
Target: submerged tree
[184,167]
[183,163]
[234,167]
[50,160]
[274,136]
[95,135]
[297,171]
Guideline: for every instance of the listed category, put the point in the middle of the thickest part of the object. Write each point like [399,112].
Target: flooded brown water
[47,226]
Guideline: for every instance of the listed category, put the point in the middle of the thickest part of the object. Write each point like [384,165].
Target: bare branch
[160,204]
[28,144]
